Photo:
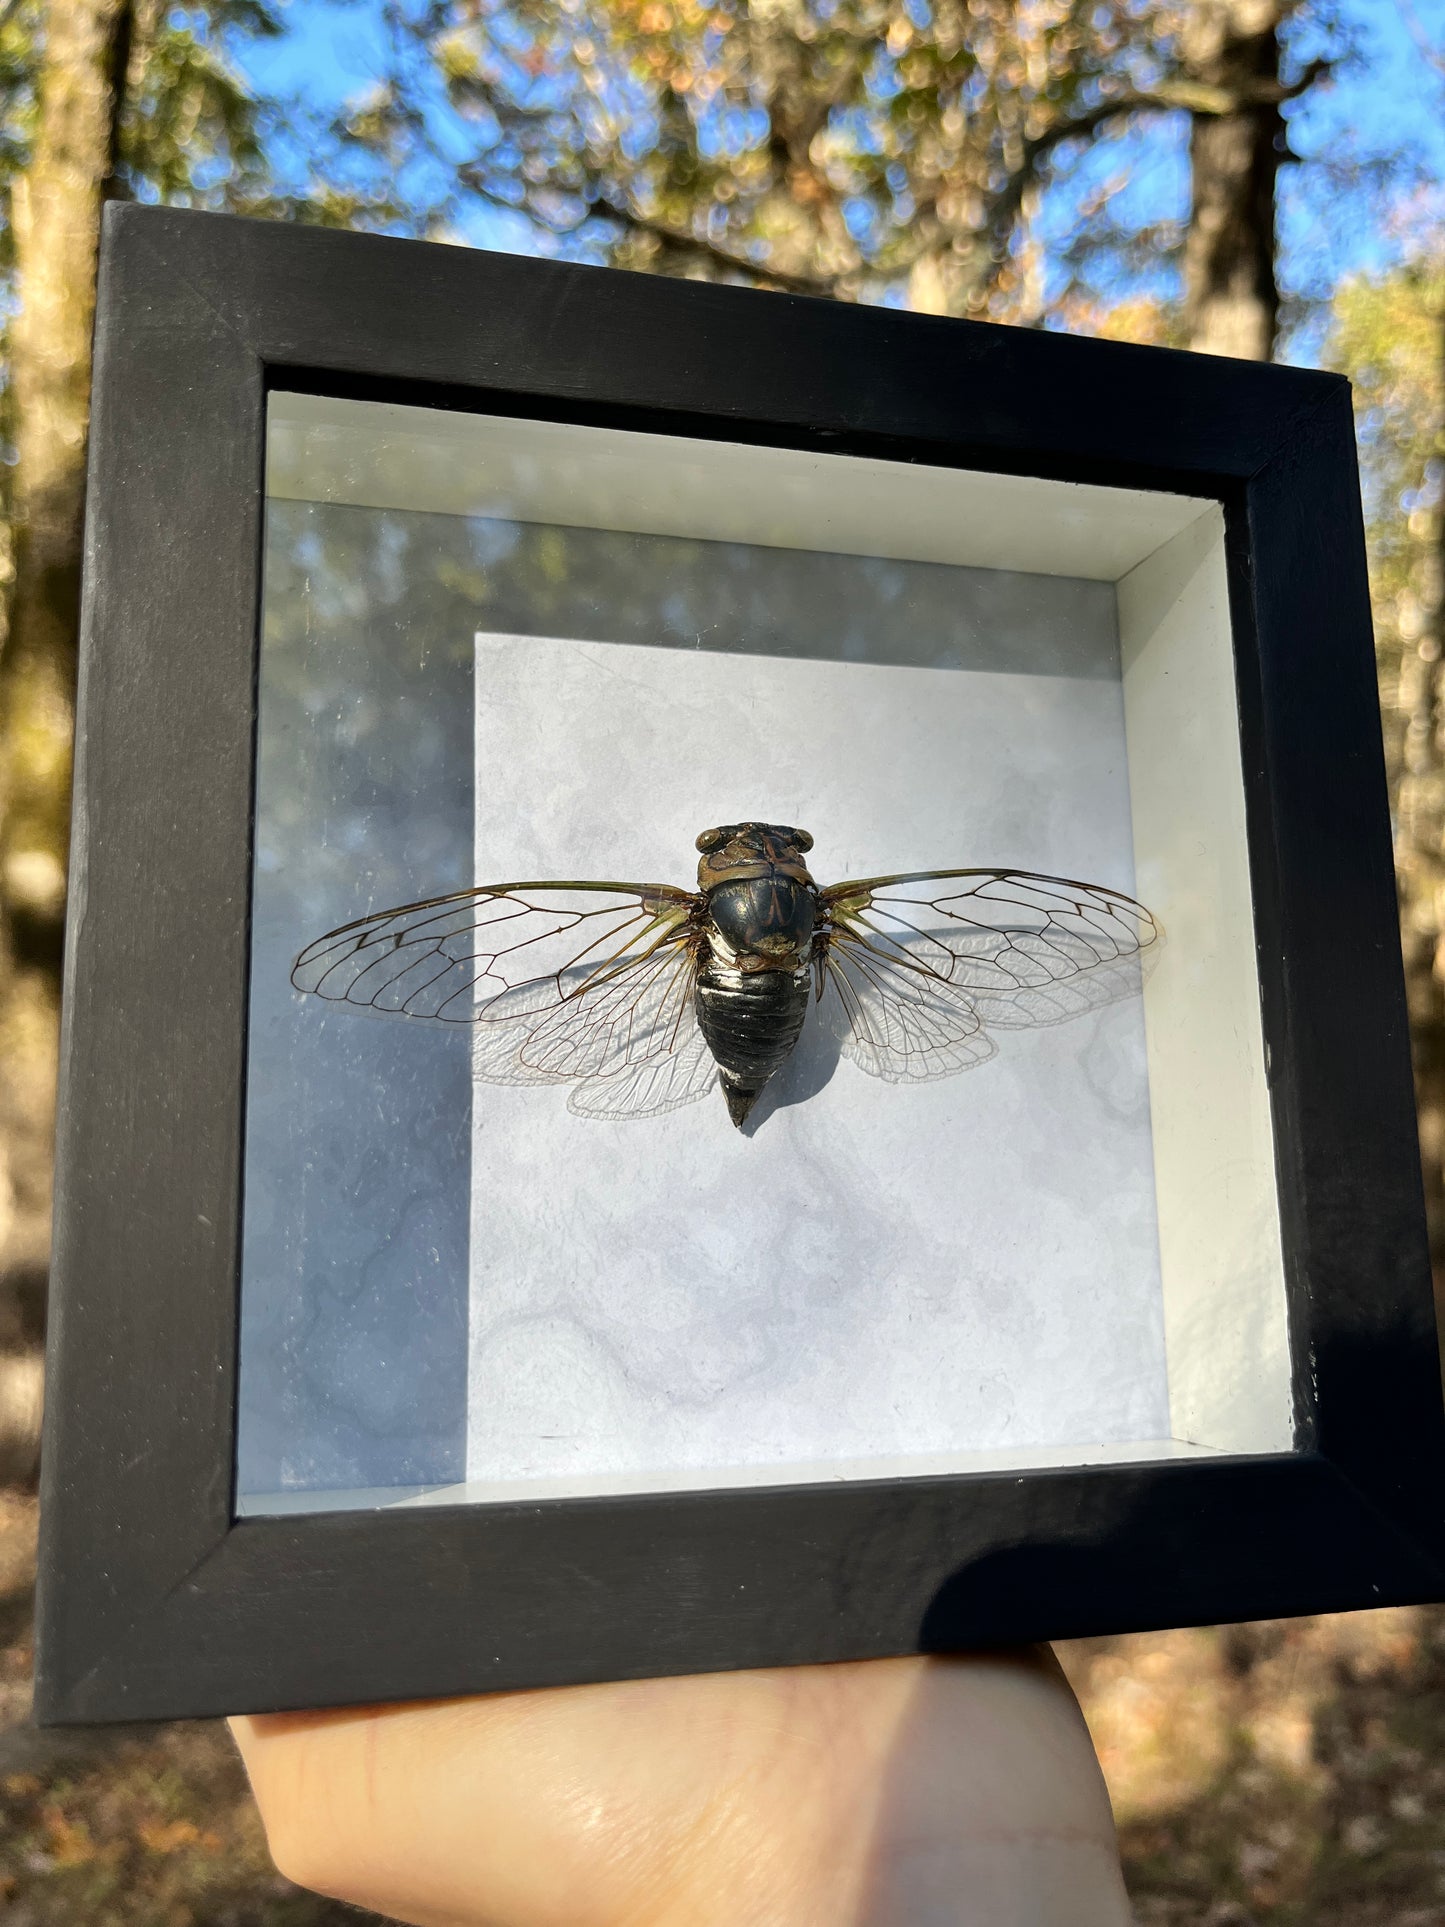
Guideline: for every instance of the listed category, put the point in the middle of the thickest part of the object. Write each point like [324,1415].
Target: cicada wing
[569,983]
[928,953]
[1033,1006]
[450,958]
[655,1084]
[897,1023]
[627,1040]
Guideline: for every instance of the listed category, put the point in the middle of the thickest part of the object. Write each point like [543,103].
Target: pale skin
[894,1793]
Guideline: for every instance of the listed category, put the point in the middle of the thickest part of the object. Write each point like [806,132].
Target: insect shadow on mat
[810,1069]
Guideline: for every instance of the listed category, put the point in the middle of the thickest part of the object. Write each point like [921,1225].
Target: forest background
[1261,178]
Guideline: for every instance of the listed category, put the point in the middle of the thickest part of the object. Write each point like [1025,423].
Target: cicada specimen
[642,996]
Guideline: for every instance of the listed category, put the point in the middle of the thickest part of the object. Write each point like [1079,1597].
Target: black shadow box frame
[155,1600]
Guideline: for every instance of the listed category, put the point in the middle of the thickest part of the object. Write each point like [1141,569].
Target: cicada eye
[802,839]
[710,839]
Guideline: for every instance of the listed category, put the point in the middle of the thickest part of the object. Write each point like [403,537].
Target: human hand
[893,1793]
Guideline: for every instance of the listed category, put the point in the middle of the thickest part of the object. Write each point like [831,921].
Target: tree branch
[1183,95]
[678,237]
[821,284]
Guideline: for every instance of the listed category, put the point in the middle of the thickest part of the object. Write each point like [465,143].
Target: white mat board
[880,1270]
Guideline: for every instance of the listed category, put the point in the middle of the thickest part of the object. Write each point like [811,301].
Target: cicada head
[737,851]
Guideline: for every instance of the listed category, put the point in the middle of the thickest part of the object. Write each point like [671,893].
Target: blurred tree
[866,149]
[1388,336]
[63,151]
[1231,296]
[98,98]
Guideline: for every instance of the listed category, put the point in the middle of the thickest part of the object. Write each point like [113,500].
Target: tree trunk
[1231,297]
[56,227]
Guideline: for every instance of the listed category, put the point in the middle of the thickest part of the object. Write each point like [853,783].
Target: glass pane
[498,650]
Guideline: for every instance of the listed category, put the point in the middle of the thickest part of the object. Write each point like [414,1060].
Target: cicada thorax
[761,908]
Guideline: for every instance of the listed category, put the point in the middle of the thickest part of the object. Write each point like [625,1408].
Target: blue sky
[1371,141]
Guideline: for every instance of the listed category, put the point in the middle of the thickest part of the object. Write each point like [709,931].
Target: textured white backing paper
[878,1270]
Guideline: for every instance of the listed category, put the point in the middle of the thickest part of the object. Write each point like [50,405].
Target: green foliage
[191,133]
[1388,336]
[188,123]
[19,25]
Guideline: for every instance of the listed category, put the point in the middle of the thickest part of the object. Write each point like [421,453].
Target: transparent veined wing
[652,1085]
[625,1037]
[895,1022]
[921,966]
[588,984]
